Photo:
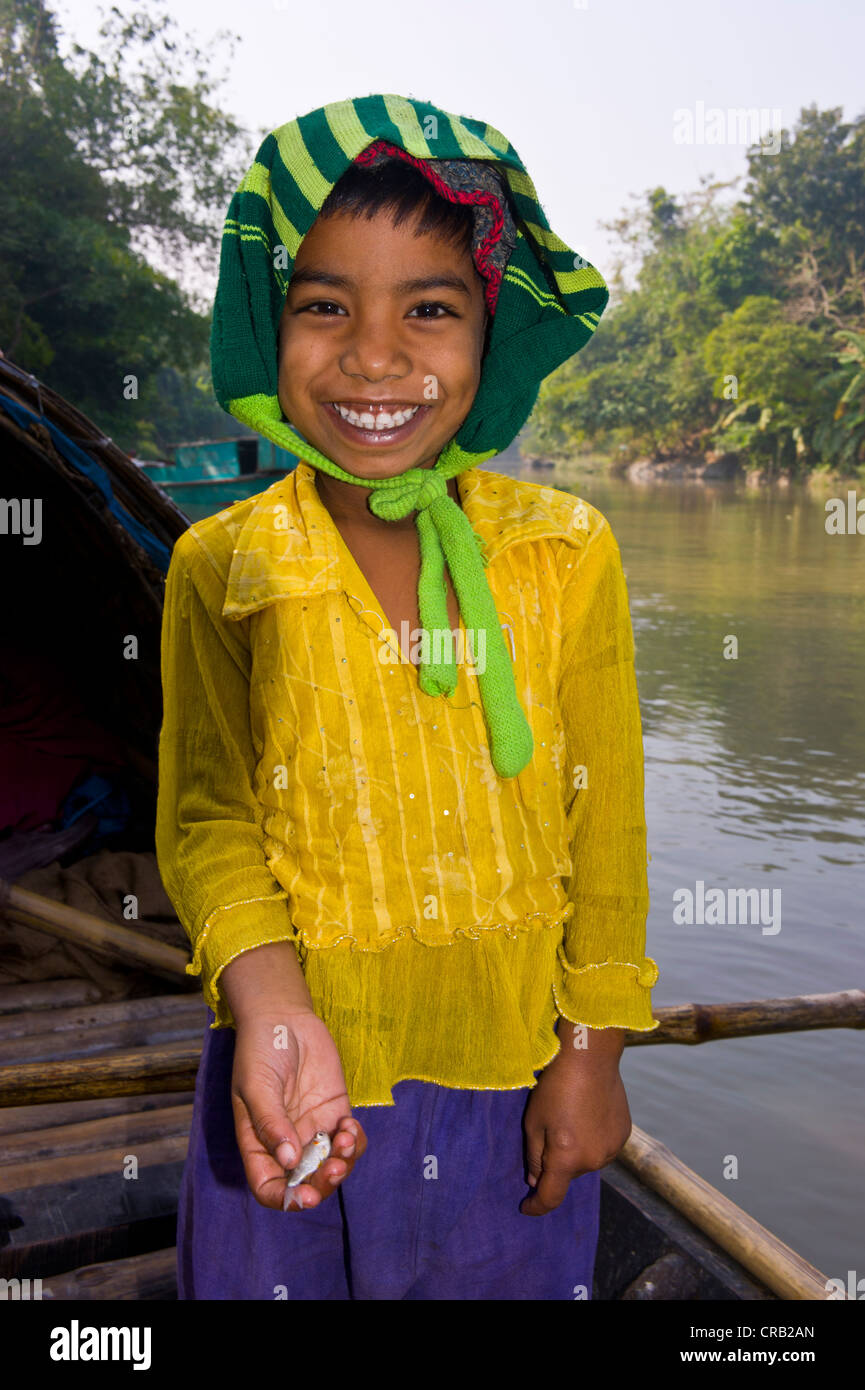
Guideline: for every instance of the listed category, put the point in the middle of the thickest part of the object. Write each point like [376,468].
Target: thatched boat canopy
[85,543]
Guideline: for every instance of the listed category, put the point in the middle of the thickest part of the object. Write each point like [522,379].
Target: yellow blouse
[310,791]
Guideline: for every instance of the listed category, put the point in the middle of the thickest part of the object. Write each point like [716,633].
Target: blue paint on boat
[207,475]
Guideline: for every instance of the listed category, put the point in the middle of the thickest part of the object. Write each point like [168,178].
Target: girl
[401,778]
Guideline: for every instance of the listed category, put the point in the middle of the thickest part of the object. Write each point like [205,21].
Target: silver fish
[314,1154]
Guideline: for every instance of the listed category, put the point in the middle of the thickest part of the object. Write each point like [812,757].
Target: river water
[755,778]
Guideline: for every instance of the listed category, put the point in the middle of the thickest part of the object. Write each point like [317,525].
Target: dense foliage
[743,330]
[111,163]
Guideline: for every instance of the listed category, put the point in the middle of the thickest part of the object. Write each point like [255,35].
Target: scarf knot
[415,490]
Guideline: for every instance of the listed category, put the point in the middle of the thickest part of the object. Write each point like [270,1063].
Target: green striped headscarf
[548,305]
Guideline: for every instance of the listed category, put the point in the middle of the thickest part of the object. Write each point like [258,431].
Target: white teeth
[382,421]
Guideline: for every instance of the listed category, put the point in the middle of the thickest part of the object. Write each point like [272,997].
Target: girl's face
[380,322]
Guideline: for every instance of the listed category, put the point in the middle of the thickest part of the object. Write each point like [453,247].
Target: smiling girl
[416,892]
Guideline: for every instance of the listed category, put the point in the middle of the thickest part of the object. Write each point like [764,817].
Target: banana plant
[841,439]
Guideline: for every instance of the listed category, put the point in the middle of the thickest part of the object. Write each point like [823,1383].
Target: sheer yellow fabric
[309,790]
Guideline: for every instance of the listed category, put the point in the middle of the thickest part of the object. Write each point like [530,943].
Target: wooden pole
[47,994]
[755,1248]
[173,1066]
[53,1172]
[168,1067]
[138,1278]
[698,1023]
[94,1042]
[85,1136]
[20,1119]
[88,1029]
[118,944]
[103,1014]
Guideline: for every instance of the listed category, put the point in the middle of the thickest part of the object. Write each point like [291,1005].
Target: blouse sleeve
[604,977]
[209,839]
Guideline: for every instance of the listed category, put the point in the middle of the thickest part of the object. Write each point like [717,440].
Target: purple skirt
[430,1210]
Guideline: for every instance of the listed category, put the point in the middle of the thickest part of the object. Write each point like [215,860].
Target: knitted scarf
[545,300]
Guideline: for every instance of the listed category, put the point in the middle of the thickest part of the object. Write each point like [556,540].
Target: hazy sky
[587,93]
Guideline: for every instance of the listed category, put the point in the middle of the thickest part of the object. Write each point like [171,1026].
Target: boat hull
[89,1239]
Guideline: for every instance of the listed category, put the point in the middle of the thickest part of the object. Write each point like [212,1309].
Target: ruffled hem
[461,1084]
[606,994]
[196,965]
[647,969]
[481,1019]
[532,922]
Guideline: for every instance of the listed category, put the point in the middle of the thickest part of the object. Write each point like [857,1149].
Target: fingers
[550,1192]
[347,1145]
[553,1170]
[267,1148]
[344,1139]
[534,1155]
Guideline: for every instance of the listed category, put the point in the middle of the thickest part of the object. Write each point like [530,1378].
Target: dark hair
[401,189]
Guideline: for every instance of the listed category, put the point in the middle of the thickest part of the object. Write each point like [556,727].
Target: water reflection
[755,778]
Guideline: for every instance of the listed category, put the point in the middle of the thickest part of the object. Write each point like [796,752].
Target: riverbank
[708,468]
[727,468]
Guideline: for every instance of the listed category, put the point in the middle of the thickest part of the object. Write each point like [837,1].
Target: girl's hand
[287,1083]
[576,1121]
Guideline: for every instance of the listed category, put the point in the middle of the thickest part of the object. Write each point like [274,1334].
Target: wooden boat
[209,474]
[124,1084]
[93,1067]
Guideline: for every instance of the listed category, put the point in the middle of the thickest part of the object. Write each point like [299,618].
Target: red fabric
[491,273]
[47,743]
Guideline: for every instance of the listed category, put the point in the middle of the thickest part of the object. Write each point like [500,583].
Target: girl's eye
[443,307]
[327,304]
[325,308]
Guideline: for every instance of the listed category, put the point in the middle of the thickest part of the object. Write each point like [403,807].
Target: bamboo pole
[21,1119]
[755,1248]
[44,995]
[81,1043]
[173,1066]
[151,1277]
[168,1067]
[118,944]
[51,1172]
[85,1136]
[103,1014]
[698,1023]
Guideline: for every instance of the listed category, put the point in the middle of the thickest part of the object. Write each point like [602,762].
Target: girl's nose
[374,351]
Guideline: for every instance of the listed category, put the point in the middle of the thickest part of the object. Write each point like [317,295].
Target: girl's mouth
[376,426]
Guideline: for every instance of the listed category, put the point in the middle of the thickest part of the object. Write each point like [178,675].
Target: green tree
[841,436]
[80,303]
[812,197]
[782,390]
[770,290]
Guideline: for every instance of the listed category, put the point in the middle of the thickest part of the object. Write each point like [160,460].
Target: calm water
[755,778]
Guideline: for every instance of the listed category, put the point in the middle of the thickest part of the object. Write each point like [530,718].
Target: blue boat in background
[209,474]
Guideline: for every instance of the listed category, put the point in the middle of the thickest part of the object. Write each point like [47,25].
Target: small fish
[314,1154]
